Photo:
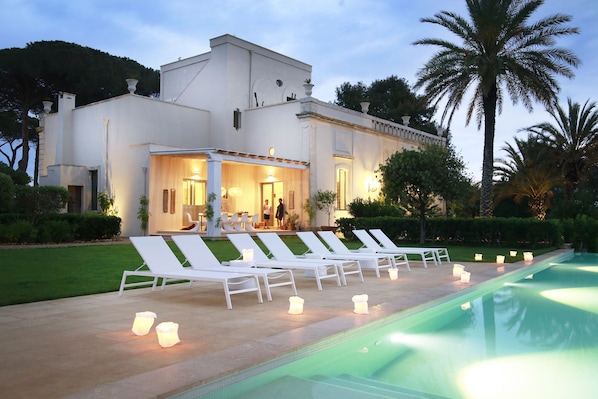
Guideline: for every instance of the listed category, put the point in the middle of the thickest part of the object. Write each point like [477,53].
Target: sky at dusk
[344,41]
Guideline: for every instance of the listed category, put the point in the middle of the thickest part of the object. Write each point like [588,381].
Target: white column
[213,186]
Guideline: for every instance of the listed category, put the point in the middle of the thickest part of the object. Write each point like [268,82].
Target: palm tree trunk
[24,161]
[486,199]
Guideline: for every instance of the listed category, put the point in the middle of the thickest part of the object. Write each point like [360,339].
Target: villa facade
[236,123]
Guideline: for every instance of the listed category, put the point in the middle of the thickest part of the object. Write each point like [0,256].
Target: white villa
[237,122]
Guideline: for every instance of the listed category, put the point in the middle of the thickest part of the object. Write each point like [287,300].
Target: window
[341,189]
[194,192]
[93,175]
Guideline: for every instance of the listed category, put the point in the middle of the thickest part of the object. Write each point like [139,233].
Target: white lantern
[360,304]
[458,269]
[500,259]
[465,277]
[513,253]
[528,256]
[478,257]
[296,305]
[168,334]
[393,273]
[143,322]
[247,255]
[466,305]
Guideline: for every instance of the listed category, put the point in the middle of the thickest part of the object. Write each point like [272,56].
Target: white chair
[386,242]
[241,224]
[162,263]
[370,243]
[280,251]
[251,225]
[378,261]
[243,241]
[192,222]
[199,256]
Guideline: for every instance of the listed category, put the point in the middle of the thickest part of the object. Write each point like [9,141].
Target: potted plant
[143,213]
[309,206]
[325,201]
[292,221]
[308,86]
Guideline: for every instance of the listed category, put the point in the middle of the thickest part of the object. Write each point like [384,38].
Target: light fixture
[500,259]
[393,273]
[528,256]
[513,253]
[466,306]
[371,184]
[270,178]
[458,269]
[235,192]
[296,305]
[168,334]
[360,304]
[465,277]
[478,257]
[271,151]
[247,255]
[143,322]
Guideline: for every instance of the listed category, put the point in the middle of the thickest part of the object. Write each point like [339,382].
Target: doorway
[271,191]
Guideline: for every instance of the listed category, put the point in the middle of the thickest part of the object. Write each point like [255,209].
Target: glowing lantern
[168,334]
[466,305]
[528,256]
[465,277]
[393,273]
[360,303]
[500,259]
[247,255]
[458,269]
[513,253]
[143,322]
[296,305]
[478,257]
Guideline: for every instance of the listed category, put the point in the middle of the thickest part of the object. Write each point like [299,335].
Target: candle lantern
[143,322]
[465,277]
[296,305]
[458,269]
[528,256]
[247,255]
[500,259]
[478,257]
[360,304]
[393,273]
[168,334]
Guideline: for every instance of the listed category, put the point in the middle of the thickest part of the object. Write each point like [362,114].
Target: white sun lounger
[380,261]
[280,251]
[370,243]
[199,256]
[243,241]
[162,263]
[386,242]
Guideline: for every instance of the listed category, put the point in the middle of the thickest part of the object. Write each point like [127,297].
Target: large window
[341,189]
[194,192]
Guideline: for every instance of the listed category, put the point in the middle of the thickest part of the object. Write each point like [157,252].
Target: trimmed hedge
[490,231]
[59,227]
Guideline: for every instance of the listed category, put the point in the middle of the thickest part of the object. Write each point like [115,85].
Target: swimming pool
[527,334]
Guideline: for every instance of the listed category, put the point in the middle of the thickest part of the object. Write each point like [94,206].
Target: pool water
[532,333]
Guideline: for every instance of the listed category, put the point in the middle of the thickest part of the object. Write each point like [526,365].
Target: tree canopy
[499,52]
[417,178]
[41,70]
[389,99]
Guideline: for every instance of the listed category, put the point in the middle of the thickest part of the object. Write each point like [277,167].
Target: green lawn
[36,274]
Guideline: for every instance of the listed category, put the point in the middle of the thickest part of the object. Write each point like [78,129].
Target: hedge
[59,227]
[489,231]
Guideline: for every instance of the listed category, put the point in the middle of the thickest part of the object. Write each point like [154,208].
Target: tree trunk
[24,161]
[422,224]
[489,103]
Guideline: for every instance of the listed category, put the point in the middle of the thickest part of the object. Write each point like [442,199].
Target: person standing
[280,213]
[267,210]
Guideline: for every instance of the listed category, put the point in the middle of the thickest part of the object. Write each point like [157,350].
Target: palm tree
[500,52]
[573,139]
[528,172]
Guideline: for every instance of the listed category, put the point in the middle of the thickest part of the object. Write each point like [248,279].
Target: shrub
[367,208]
[7,193]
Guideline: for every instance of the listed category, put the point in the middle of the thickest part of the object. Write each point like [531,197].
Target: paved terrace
[83,347]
